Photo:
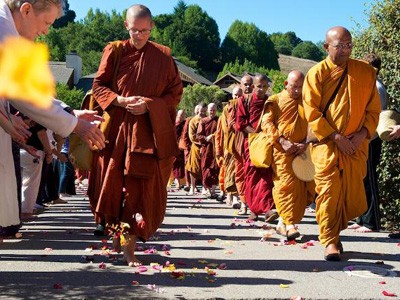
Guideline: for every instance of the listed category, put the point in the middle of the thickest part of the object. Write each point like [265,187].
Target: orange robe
[339,177]
[209,167]
[193,164]
[185,144]
[284,116]
[219,154]
[178,168]
[140,149]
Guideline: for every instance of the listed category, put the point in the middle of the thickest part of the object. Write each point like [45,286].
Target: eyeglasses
[141,32]
[347,46]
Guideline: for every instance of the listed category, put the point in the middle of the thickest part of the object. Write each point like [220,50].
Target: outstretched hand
[88,115]
[90,134]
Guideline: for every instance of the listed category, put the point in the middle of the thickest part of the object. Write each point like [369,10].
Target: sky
[309,19]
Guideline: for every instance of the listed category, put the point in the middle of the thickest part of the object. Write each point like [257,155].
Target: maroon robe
[138,156]
[178,168]
[258,181]
[209,166]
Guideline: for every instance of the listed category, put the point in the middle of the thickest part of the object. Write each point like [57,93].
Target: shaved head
[261,85]
[212,109]
[294,84]
[237,92]
[338,45]
[138,11]
[139,24]
[246,84]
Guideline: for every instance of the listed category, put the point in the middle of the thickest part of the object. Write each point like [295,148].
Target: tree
[285,42]
[382,37]
[246,41]
[190,32]
[68,17]
[276,76]
[72,97]
[194,94]
[308,50]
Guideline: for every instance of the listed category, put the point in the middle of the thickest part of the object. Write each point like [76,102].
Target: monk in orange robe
[129,177]
[223,149]
[283,119]
[343,133]
[193,164]
[206,135]
[258,181]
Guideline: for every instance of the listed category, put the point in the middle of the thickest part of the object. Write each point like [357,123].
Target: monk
[206,135]
[343,132]
[236,149]
[283,119]
[258,181]
[127,186]
[185,144]
[223,151]
[178,168]
[193,165]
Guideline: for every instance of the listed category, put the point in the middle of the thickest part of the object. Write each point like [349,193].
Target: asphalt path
[203,250]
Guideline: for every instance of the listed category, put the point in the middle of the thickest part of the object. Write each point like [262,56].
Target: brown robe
[138,156]
[178,168]
[209,167]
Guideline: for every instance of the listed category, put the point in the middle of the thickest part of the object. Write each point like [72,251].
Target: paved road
[216,254]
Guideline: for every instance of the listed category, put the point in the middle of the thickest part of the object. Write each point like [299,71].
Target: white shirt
[54,118]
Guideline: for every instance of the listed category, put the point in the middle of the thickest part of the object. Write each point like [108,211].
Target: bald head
[212,109]
[138,11]
[236,92]
[246,84]
[294,84]
[180,115]
[338,45]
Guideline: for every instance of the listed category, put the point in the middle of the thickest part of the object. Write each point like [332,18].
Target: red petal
[385,293]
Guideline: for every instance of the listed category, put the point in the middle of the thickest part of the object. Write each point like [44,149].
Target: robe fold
[193,164]
[258,181]
[284,117]
[140,149]
[339,177]
[209,167]
[185,144]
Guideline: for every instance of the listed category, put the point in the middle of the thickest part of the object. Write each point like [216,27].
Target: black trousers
[371,218]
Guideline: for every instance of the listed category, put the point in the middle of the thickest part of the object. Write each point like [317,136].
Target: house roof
[60,72]
[233,76]
[86,82]
[189,74]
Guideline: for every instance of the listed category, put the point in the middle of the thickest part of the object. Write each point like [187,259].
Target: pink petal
[222,266]
[141,269]
[135,282]
[48,249]
[388,294]
[382,282]
[102,266]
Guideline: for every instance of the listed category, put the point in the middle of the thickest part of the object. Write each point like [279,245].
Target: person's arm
[8,127]
[42,135]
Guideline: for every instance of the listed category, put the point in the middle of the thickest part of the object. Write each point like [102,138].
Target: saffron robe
[209,167]
[140,149]
[178,168]
[339,177]
[238,161]
[185,144]
[258,181]
[284,117]
[223,147]
[193,165]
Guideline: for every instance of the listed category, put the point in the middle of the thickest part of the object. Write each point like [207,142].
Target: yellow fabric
[260,149]
[284,116]
[193,164]
[339,177]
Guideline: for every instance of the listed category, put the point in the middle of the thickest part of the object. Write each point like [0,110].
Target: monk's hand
[344,144]
[139,108]
[124,101]
[90,134]
[358,137]
[301,147]
[288,146]
[88,115]
[395,133]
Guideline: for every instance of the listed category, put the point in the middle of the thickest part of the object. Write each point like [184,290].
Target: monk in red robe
[206,135]
[178,168]
[129,178]
[258,181]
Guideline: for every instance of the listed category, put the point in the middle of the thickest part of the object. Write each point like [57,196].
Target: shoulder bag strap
[335,92]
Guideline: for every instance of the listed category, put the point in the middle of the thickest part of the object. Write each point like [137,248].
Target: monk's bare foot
[129,252]
[363,229]
[354,226]
[116,242]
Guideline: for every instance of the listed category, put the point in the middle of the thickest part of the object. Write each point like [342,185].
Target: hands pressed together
[292,148]
[349,144]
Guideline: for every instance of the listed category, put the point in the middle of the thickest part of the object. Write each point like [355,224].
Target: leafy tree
[276,76]
[72,97]
[68,17]
[189,32]
[246,41]
[285,42]
[308,50]
[194,94]
[382,37]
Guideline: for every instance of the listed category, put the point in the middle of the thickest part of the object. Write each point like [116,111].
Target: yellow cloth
[339,177]
[281,117]
[193,164]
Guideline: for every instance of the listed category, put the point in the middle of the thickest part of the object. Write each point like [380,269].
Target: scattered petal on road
[388,294]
